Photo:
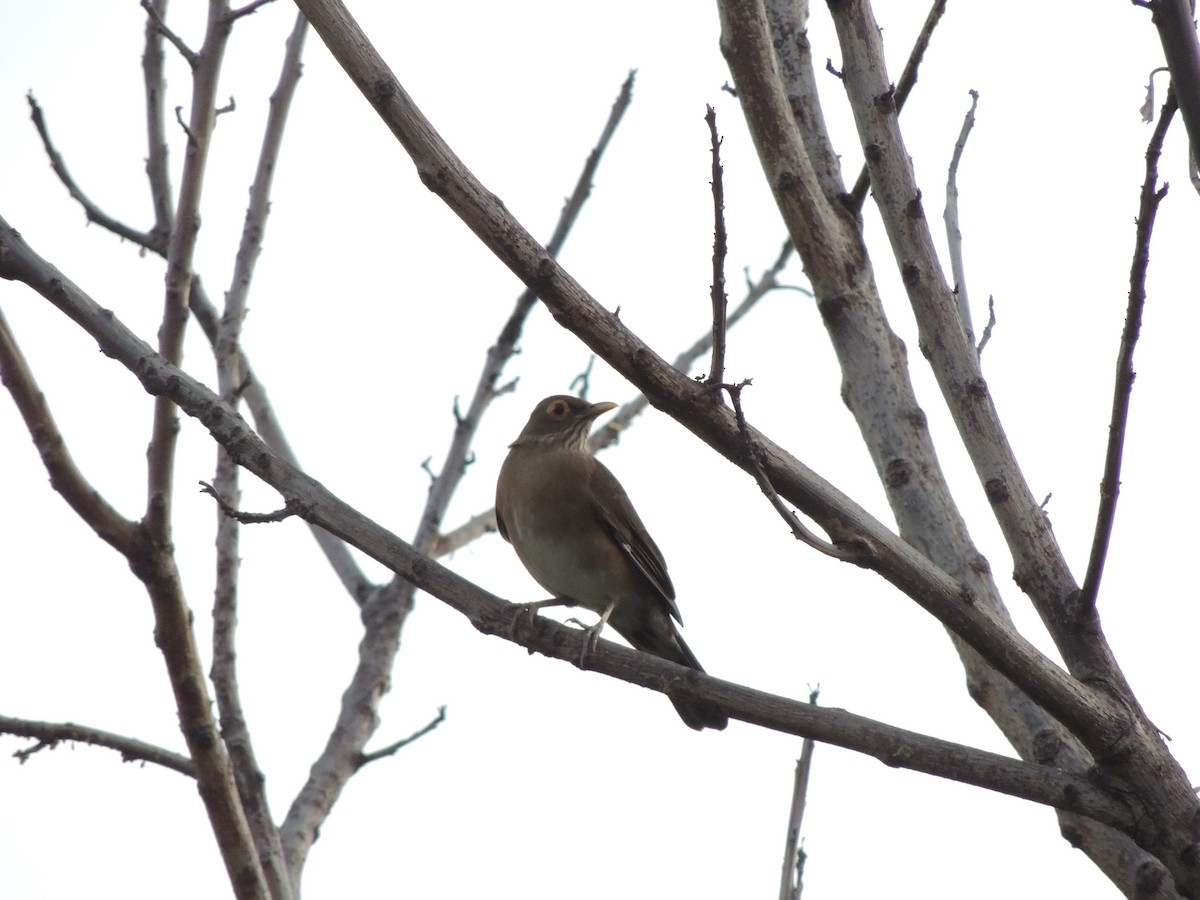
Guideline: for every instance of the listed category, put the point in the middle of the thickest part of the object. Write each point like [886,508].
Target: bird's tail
[696,714]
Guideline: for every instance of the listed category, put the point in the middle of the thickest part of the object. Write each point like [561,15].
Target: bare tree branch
[987,329]
[190,56]
[798,529]
[93,212]
[720,300]
[50,734]
[65,477]
[248,10]
[230,511]
[158,171]
[908,79]
[393,748]
[1110,484]
[791,884]
[953,232]
[181,246]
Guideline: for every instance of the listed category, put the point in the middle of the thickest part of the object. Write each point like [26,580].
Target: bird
[576,532]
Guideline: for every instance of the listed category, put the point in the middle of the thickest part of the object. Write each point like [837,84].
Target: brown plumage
[575,530]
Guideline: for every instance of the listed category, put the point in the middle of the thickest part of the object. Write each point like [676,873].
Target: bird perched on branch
[575,530]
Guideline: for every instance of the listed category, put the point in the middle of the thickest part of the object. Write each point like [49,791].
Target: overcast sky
[371,311]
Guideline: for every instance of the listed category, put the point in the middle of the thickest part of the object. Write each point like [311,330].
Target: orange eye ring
[558,409]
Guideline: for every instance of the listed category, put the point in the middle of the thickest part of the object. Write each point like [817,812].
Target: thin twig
[904,87]
[391,749]
[987,329]
[1110,484]
[791,883]
[755,291]
[93,212]
[720,300]
[189,55]
[158,171]
[953,232]
[247,10]
[50,734]
[245,518]
[582,383]
[798,528]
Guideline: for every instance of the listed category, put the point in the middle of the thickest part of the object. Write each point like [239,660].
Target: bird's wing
[621,521]
[500,526]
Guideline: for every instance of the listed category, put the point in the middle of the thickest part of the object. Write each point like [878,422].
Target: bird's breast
[555,532]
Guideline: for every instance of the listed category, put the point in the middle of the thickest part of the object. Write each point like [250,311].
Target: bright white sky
[371,311]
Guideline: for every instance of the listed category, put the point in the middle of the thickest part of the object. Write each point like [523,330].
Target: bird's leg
[592,633]
[530,610]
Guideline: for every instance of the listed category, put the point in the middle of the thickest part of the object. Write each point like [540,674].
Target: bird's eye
[557,410]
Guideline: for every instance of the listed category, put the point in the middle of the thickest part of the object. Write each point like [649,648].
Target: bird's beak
[598,409]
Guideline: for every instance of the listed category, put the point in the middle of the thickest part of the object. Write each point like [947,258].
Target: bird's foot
[591,633]
[530,610]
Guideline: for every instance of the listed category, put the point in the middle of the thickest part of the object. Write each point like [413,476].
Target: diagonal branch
[393,748]
[1110,484]
[190,56]
[950,215]
[50,734]
[93,212]
[908,79]
[65,477]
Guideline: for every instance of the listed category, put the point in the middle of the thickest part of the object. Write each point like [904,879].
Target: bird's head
[561,421]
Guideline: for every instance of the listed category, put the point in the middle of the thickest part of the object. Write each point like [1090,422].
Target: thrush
[575,530]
